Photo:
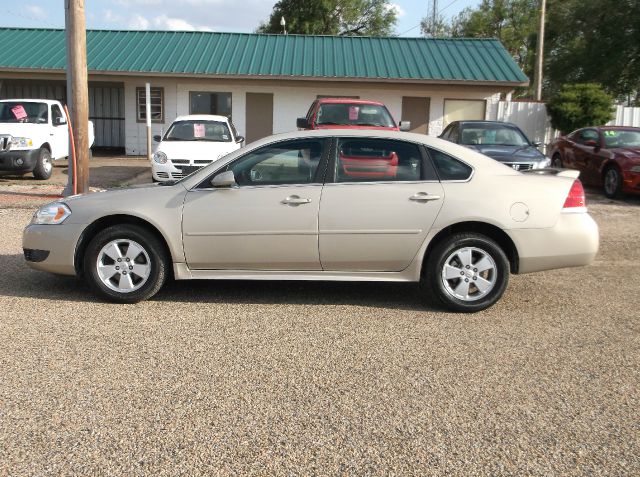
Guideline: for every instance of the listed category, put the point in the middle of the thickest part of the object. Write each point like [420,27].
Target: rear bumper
[572,242]
[10,160]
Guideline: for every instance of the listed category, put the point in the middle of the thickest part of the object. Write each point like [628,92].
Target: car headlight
[54,213]
[160,157]
[546,162]
[635,169]
[21,142]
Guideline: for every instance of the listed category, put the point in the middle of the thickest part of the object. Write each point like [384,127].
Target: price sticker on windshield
[198,130]
[19,112]
[353,113]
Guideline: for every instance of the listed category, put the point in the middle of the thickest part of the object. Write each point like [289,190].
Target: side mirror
[239,139]
[157,138]
[536,144]
[302,123]
[591,143]
[224,180]
[405,126]
[59,121]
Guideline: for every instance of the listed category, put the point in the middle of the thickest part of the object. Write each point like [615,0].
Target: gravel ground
[224,378]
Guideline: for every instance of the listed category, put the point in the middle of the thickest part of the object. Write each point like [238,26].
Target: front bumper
[631,182]
[60,243]
[9,160]
[175,170]
[572,242]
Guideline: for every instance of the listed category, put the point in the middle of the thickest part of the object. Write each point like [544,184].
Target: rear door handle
[424,197]
[295,200]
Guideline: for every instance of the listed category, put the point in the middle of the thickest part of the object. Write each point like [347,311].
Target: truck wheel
[44,167]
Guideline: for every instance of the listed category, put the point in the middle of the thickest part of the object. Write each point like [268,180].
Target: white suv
[192,142]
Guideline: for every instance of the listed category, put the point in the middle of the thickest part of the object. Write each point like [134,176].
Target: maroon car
[606,156]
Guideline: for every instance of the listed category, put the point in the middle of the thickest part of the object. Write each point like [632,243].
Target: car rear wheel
[612,183]
[466,272]
[125,264]
[556,161]
[44,166]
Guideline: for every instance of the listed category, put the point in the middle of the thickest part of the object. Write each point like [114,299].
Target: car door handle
[424,197]
[295,200]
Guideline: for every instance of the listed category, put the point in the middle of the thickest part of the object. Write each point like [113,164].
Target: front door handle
[295,200]
[424,197]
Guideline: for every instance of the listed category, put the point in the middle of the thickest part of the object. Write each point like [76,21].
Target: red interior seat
[363,167]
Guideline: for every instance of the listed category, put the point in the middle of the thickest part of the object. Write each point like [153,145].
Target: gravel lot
[287,378]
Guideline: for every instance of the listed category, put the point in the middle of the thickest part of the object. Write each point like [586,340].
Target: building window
[157,105]
[463,110]
[202,102]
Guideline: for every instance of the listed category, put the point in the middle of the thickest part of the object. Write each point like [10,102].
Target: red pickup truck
[345,113]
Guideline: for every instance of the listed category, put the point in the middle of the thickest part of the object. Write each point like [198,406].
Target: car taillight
[576,197]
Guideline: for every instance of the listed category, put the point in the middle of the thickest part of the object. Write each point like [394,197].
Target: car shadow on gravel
[23,282]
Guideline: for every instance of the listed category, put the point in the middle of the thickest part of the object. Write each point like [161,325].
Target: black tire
[556,161]
[612,181]
[44,166]
[156,259]
[442,292]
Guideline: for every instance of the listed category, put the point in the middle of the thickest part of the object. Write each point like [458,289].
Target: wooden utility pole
[78,88]
[540,53]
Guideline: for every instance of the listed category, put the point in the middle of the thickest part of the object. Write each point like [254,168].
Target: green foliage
[513,22]
[579,105]
[594,41]
[332,17]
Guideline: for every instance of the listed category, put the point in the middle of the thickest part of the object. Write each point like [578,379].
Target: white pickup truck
[33,133]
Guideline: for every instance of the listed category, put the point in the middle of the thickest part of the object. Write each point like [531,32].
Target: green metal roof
[267,56]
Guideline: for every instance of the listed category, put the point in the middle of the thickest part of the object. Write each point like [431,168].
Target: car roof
[481,121]
[29,100]
[201,117]
[349,100]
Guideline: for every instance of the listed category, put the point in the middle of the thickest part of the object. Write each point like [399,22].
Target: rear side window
[449,168]
[374,160]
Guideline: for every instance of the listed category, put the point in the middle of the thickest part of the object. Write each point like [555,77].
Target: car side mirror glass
[157,138]
[536,144]
[224,180]
[405,126]
[302,123]
[240,139]
[59,121]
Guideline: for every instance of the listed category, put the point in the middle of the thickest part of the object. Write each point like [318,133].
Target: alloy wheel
[469,274]
[123,265]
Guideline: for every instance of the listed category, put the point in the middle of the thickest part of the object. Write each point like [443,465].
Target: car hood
[509,153]
[20,129]
[196,149]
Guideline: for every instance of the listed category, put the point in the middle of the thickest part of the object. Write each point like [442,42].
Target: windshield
[23,112]
[493,134]
[354,114]
[194,130]
[621,138]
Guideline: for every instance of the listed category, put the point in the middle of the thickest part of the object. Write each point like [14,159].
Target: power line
[439,12]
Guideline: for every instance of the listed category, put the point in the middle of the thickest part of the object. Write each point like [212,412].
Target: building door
[106,111]
[416,110]
[259,116]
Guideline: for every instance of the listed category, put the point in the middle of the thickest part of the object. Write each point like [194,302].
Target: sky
[210,15]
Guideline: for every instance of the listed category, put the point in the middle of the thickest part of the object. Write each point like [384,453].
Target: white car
[192,142]
[326,205]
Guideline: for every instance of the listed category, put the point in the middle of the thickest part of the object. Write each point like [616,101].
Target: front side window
[194,130]
[157,106]
[588,135]
[55,113]
[373,160]
[289,162]
[202,102]
[353,114]
[449,168]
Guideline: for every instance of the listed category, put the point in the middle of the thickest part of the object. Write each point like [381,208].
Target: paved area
[269,378]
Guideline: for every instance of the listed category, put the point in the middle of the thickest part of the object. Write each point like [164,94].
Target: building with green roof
[264,82]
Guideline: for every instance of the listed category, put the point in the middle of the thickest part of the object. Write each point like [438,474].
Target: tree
[332,17]
[513,22]
[578,105]
[595,41]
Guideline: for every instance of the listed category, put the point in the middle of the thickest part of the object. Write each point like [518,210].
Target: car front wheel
[125,264]
[44,167]
[612,183]
[466,272]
